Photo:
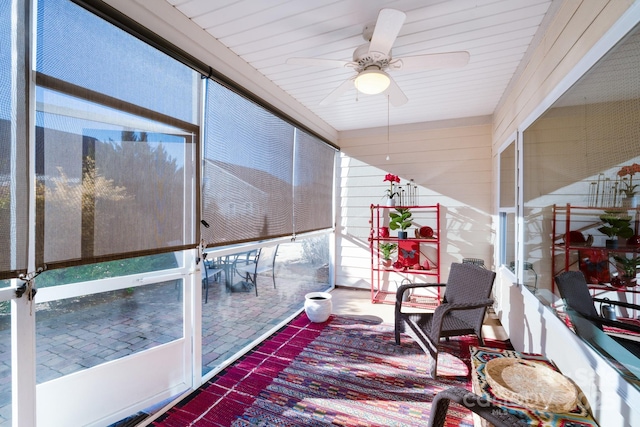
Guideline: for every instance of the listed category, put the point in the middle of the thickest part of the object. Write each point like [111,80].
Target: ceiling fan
[372,60]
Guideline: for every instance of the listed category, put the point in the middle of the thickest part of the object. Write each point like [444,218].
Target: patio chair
[574,290]
[260,261]
[216,271]
[462,310]
[496,415]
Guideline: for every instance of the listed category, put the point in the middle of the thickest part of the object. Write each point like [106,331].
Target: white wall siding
[450,161]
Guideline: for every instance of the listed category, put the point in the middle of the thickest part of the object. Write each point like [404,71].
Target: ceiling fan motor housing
[366,59]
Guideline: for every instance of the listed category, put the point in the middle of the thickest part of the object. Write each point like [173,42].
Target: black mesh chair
[496,415]
[462,310]
[209,266]
[574,290]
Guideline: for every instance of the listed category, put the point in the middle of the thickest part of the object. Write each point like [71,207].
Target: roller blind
[84,50]
[114,154]
[313,183]
[13,141]
[247,170]
[262,177]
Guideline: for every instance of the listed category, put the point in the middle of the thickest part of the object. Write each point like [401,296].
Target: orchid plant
[393,179]
[630,188]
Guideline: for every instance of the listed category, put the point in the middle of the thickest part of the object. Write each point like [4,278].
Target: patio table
[228,265]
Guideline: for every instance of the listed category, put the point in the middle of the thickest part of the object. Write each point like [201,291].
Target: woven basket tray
[530,384]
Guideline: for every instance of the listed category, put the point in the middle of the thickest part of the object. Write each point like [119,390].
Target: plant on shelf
[386,249]
[627,266]
[400,220]
[616,224]
[629,189]
[391,192]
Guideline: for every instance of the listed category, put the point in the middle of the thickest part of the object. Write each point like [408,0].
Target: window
[572,154]
[579,144]
[113,153]
[507,205]
[254,158]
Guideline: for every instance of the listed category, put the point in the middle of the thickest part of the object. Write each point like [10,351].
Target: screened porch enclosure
[107,170]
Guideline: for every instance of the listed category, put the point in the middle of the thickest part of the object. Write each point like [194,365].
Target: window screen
[313,183]
[13,142]
[247,171]
[80,48]
[114,154]
[257,168]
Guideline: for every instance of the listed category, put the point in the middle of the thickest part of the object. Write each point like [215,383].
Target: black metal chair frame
[249,272]
[208,264]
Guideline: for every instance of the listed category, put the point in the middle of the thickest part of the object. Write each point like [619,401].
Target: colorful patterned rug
[347,371]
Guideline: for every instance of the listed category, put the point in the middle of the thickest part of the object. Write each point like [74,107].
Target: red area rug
[347,371]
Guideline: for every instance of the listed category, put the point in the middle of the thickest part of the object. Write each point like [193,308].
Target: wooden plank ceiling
[498,34]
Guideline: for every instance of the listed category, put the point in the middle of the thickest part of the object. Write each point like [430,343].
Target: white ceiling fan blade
[337,92]
[318,62]
[396,95]
[387,28]
[433,61]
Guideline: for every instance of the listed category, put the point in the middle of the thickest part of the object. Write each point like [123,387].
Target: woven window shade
[247,190]
[114,155]
[13,146]
[251,180]
[313,183]
[80,48]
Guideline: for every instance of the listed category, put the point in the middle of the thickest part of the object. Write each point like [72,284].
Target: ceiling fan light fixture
[372,82]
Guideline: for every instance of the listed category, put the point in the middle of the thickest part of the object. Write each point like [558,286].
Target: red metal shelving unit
[382,278]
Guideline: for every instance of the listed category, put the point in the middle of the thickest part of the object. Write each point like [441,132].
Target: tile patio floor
[231,321]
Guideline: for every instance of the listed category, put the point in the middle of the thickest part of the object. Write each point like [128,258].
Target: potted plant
[386,249]
[628,267]
[401,220]
[629,189]
[391,192]
[616,224]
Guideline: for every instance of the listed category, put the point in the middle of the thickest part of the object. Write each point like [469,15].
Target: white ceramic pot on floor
[318,306]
